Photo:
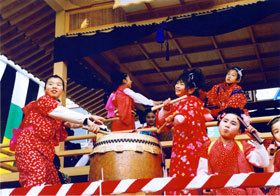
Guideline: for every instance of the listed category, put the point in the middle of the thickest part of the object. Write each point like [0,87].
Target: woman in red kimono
[42,130]
[274,152]
[123,99]
[228,93]
[189,132]
[228,156]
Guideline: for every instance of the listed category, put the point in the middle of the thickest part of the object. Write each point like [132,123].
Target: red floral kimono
[125,106]
[229,160]
[188,137]
[226,95]
[35,151]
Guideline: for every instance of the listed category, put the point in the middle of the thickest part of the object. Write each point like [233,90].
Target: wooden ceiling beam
[219,51]
[94,109]
[88,100]
[97,102]
[177,45]
[95,99]
[83,93]
[153,63]
[201,49]
[15,45]
[34,56]
[98,68]
[41,65]
[16,9]
[148,6]
[36,19]
[40,29]
[19,35]
[28,15]
[69,91]
[38,62]
[78,91]
[26,54]
[205,64]
[259,60]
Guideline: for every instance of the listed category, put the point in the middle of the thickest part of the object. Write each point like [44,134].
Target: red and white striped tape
[152,185]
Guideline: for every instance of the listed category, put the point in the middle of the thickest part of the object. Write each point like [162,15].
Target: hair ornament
[239,71]
[221,116]
[191,80]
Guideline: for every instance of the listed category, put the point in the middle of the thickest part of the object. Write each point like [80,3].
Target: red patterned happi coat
[229,160]
[125,106]
[35,150]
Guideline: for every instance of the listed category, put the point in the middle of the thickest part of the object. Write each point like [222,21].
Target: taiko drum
[125,156]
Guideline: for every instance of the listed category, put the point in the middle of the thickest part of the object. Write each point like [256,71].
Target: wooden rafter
[177,45]
[253,39]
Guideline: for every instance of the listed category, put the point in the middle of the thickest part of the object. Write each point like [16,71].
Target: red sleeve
[161,121]
[46,104]
[213,96]
[44,125]
[247,147]
[203,152]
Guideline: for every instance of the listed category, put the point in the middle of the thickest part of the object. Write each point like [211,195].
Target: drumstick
[110,119]
[172,101]
[99,131]
[165,123]
[258,139]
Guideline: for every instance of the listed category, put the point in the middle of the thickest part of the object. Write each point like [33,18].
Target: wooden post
[60,68]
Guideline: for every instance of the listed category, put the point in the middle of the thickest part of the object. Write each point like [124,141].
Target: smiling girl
[189,132]
[42,130]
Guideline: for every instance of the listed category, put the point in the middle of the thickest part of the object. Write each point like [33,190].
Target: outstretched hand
[97,119]
[92,127]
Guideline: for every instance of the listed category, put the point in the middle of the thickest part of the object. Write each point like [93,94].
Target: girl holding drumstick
[123,99]
[187,116]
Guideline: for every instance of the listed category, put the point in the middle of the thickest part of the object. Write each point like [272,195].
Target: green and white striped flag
[18,88]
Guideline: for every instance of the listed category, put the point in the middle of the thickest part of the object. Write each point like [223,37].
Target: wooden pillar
[60,68]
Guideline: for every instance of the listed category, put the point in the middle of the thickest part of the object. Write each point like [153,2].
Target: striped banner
[151,185]
[18,89]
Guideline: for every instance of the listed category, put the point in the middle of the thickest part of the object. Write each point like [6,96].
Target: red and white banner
[152,185]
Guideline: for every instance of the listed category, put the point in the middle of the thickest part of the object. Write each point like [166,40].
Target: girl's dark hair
[236,111]
[117,79]
[238,71]
[192,79]
[54,76]
[272,122]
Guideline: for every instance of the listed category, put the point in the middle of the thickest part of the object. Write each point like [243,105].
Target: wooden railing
[84,170]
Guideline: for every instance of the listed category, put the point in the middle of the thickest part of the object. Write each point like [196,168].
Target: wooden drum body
[125,156]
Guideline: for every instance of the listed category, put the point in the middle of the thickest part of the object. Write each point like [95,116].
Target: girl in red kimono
[123,99]
[228,93]
[189,132]
[42,130]
[274,152]
[228,156]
